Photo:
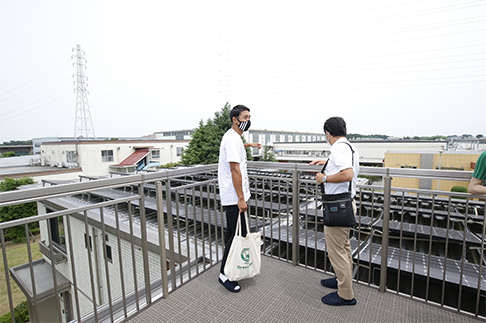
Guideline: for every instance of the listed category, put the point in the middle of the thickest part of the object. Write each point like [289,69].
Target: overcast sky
[399,68]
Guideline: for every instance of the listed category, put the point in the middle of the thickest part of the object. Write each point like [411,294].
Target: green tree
[268,155]
[21,314]
[14,212]
[8,154]
[169,165]
[204,145]
[460,189]
[17,142]
[479,136]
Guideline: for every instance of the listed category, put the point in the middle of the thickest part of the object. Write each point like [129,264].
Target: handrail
[295,177]
[37,194]
[36,218]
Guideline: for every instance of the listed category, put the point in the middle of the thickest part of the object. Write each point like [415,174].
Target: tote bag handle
[238,227]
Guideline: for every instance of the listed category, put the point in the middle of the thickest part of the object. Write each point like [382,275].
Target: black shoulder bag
[338,208]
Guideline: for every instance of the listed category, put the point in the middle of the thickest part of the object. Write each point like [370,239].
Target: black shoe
[233,287]
[334,300]
[330,282]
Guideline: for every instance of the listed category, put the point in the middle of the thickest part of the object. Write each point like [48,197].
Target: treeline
[17,142]
[353,136]
[426,138]
[358,136]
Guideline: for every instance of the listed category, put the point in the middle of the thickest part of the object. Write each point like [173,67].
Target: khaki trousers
[339,251]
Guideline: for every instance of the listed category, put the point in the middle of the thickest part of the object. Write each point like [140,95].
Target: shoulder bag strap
[352,163]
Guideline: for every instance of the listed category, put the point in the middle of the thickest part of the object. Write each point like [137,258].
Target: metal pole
[385,237]
[161,226]
[7,276]
[168,198]
[90,265]
[295,217]
[143,228]
[440,167]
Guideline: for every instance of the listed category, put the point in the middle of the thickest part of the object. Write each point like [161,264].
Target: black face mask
[244,126]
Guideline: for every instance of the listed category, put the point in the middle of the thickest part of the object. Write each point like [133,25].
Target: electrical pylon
[83,127]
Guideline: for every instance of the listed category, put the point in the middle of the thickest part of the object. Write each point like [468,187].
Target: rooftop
[34,171]
[286,293]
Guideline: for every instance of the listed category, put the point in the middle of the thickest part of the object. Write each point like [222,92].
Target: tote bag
[244,257]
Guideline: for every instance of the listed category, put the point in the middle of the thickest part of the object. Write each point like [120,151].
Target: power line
[35,108]
[11,83]
[204,42]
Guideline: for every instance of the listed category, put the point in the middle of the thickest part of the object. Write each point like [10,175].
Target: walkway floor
[285,293]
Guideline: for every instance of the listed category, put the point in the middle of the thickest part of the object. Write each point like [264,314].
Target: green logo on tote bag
[245,255]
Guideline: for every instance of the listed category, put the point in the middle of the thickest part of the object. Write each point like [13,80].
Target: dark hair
[235,112]
[336,126]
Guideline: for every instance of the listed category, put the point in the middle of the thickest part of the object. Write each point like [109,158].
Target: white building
[372,152]
[100,157]
[253,135]
[470,144]
[174,135]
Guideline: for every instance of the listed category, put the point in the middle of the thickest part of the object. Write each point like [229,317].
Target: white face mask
[327,138]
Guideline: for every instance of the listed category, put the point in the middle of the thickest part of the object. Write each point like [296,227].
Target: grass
[16,255]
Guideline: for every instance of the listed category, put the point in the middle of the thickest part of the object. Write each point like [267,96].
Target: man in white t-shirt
[234,188]
[342,168]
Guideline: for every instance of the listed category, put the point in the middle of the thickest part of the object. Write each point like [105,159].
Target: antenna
[83,127]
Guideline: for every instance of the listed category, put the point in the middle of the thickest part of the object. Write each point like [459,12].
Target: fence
[132,239]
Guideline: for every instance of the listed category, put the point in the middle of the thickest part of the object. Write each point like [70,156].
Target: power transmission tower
[83,127]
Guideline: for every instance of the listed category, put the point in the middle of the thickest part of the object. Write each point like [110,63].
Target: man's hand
[320,178]
[318,162]
[242,205]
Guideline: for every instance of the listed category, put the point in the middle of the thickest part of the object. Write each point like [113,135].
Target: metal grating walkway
[285,293]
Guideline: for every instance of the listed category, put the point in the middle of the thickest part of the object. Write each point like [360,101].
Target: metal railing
[127,247]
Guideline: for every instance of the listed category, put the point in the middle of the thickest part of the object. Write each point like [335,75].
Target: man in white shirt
[342,167]
[234,187]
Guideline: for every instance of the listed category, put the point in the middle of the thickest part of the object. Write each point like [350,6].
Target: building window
[71,157]
[57,231]
[106,156]
[155,154]
[86,242]
[180,150]
[108,254]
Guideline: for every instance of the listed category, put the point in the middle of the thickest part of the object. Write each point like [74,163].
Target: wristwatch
[324,179]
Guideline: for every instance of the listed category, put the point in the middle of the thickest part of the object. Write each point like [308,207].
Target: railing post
[295,216]
[163,253]
[385,235]
[168,197]
[7,276]
[143,229]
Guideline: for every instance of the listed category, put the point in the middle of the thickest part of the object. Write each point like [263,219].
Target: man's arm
[343,176]
[238,184]
[476,186]
[253,144]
